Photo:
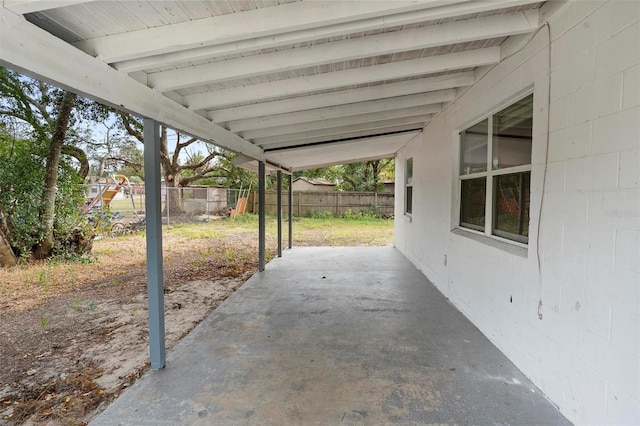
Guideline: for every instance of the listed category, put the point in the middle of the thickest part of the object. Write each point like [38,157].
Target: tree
[50,114]
[21,177]
[111,150]
[131,161]
[177,173]
[48,201]
[364,176]
[332,174]
[229,176]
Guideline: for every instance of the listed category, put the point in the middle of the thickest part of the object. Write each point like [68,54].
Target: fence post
[206,208]
[299,201]
[337,203]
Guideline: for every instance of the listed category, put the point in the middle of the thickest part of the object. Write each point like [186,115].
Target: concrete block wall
[585,212]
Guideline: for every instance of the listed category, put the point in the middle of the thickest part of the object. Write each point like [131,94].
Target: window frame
[489,175]
[408,184]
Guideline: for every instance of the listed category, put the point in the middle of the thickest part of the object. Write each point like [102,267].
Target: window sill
[500,244]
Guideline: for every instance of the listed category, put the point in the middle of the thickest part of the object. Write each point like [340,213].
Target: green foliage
[359,215]
[367,176]
[332,174]
[25,100]
[69,257]
[21,182]
[21,186]
[28,114]
[69,233]
[245,218]
[227,175]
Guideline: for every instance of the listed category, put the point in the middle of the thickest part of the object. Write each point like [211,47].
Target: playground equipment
[103,199]
[108,192]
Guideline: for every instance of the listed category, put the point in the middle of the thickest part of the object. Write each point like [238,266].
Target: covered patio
[335,335]
[287,85]
[293,85]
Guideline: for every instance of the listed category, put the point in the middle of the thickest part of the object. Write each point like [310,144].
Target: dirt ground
[74,335]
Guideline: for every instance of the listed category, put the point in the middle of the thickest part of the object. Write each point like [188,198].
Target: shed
[388,186]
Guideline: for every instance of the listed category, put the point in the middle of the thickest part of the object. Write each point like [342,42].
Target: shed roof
[298,84]
[316,181]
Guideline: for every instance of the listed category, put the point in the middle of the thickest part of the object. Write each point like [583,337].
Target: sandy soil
[72,340]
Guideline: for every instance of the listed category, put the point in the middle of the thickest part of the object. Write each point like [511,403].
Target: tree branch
[181,145]
[201,163]
[175,158]
[130,129]
[79,155]
[136,166]
[14,114]
[41,108]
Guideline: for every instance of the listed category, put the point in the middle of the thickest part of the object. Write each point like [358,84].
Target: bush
[21,186]
[371,213]
[21,178]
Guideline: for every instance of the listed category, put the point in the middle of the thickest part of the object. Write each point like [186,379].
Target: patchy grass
[26,286]
[364,231]
[354,230]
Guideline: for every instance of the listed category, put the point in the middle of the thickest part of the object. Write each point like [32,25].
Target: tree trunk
[172,177]
[7,257]
[174,200]
[375,168]
[46,215]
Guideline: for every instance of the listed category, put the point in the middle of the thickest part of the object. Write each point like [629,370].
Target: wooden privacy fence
[335,203]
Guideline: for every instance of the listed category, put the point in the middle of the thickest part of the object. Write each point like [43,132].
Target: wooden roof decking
[272,79]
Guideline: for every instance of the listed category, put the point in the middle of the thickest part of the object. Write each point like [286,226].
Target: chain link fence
[126,208]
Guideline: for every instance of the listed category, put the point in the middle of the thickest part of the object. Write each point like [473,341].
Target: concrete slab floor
[335,336]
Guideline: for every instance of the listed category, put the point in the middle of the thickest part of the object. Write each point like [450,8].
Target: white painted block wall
[585,351]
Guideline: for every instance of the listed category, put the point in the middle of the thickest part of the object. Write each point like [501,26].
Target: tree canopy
[368,176]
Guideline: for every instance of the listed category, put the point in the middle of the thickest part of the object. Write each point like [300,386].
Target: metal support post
[279,175]
[261,217]
[153,213]
[291,210]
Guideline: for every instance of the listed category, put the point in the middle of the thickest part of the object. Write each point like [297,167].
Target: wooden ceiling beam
[346,50]
[349,77]
[263,110]
[234,27]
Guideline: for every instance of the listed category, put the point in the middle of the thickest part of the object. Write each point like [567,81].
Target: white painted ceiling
[298,84]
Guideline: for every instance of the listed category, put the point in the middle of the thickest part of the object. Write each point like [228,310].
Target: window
[408,184]
[495,173]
